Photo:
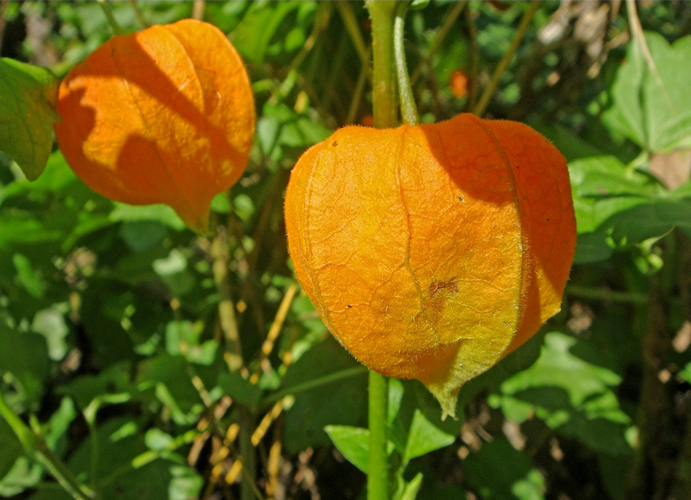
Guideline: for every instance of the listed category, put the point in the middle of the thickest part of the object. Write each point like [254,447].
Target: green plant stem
[37,448]
[108,11]
[378,470]
[385,112]
[491,88]
[405,89]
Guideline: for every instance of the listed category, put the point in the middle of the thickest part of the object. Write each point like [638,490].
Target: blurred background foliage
[117,323]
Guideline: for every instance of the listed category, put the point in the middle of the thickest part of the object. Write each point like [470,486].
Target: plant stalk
[385,113]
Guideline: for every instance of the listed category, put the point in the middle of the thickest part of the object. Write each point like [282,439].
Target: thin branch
[108,11]
[138,13]
[198,10]
[351,24]
[491,88]
[449,19]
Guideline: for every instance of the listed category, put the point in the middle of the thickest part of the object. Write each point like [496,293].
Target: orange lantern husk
[432,251]
[165,115]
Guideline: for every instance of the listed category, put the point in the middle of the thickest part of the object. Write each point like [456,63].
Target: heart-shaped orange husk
[165,115]
[431,252]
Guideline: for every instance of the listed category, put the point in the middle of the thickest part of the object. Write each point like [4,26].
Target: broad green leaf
[337,402]
[24,474]
[651,105]
[28,95]
[157,440]
[616,205]
[412,488]
[352,442]
[186,483]
[59,423]
[161,213]
[183,339]
[240,389]
[28,277]
[424,437]
[142,235]
[171,380]
[24,355]
[11,448]
[500,472]
[570,394]
[396,391]
[255,32]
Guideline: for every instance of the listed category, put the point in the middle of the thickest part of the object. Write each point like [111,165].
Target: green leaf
[157,440]
[571,395]
[182,339]
[185,484]
[117,446]
[424,437]
[172,383]
[651,105]
[500,472]
[352,442]
[160,213]
[25,355]
[240,389]
[115,379]
[24,474]
[51,324]
[617,206]
[396,391]
[412,488]
[28,277]
[342,402]
[258,27]
[11,448]
[28,95]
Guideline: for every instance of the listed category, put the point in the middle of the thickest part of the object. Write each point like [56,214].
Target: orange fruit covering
[165,115]
[431,252]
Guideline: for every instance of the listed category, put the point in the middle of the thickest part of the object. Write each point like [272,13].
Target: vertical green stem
[385,112]
[378,470]
[405,89]
[384,97]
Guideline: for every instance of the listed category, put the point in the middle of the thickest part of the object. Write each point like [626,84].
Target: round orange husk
[431,252]
[165,115]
